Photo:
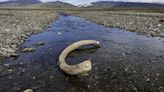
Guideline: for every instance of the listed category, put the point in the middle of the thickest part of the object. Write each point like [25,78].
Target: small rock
[9,50]
[59,33]
[14,55]
[8,41]
[10,70]
[161,88]
[4,53]
[20,72]
[161,20]
[34,78]
[159,25]
[28,90]
[24,36]
[147,79]
[126,69]
[40,43]
[7,65]
[16,88]
[134,71]
[51,77]
[28,49]
[157,74]
[156,78]
[134,88]
[89,86]
[14,47]
[7,30]
[10,77]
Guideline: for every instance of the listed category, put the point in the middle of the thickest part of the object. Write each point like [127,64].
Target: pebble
[157,74]
[10,70]
[9,50]
[7,30]
[59,33]
[14,47]
[10,77]
[40,43]
[28,49]
[147,79]
[88,86]
[126,69]
[159,25]
[51,77]
[6,65]
[161,20]
[14,55]
[134,88]
[34,78]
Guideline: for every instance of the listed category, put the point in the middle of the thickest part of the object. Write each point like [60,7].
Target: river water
[126,61]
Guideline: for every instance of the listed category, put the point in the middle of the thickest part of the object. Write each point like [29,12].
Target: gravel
[17,25]
[147,23]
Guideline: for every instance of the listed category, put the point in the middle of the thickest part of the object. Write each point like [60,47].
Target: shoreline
[149,24]
[19,25]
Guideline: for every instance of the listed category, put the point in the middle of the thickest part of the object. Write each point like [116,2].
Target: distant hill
[111,4]
[55,4]
[12,3]
[84,5]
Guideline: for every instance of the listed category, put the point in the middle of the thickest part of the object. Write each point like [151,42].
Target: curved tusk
[81,68]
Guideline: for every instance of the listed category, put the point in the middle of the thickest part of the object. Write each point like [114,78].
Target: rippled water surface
[125,62]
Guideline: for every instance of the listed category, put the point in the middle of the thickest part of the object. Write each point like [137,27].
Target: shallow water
[125,62]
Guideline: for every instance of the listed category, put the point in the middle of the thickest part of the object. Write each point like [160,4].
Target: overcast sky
[77,2]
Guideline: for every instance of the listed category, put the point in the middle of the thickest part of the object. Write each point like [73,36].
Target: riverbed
[125,61]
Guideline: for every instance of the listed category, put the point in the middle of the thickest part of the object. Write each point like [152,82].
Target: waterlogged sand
[147,23]
[17,25]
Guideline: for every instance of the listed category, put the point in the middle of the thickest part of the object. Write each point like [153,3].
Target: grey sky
[77,2]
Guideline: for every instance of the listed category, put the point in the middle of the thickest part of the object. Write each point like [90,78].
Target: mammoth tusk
[81,68]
